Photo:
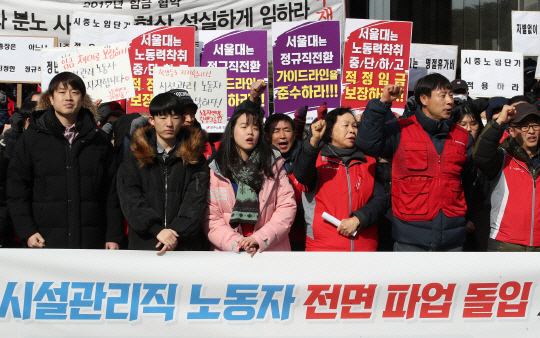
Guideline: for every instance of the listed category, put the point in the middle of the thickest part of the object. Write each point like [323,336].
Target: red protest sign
[166,46]
[376,54]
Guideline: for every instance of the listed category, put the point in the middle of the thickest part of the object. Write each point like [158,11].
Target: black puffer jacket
[157,194]
[65,192]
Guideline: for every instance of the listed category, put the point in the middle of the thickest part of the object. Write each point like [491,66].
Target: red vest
[424,182]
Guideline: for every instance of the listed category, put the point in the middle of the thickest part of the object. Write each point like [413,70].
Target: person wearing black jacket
[163,181]
[60,180]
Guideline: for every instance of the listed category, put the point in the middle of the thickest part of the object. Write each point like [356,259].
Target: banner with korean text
[20,57]
[98,293]
[49,64]
[376,54]
[525,34]
[426,59]
[105,70]
[55,17]
[205,85]
[244,55]
[165,46]
[307,66]
[96,29]
[492,73]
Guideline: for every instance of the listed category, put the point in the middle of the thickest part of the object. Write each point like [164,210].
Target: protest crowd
[450,174]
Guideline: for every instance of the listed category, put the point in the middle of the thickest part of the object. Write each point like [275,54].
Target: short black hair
[166,104]
[429,83]
[331,119]
[276,118]
[67,78]
[519,98]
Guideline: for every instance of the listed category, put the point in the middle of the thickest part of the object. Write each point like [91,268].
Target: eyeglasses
[526,128]
[472,125]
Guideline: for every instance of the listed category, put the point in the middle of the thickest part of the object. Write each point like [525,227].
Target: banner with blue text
[94,293]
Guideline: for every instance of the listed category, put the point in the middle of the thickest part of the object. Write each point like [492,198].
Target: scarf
[249,179]
[344,155]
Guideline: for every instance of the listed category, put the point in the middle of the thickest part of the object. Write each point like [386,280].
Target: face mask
[462,97]
[484,122]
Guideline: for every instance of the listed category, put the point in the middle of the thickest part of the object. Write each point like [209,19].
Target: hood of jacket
[189,149]
[44,103]
[46,121]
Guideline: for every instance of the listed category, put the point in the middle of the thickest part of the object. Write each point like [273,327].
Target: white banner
[106,70]
[20,58]
[525,34]
[207,87]
[492,73]
[98,293]
[427,59]
[50,17]
[49,65]
[95,29]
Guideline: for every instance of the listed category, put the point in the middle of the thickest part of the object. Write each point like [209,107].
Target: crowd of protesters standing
[450,174]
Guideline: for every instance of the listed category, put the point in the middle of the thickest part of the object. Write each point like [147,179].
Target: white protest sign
[492,73]
[525,35]
[49,64]
[20,58]
[96,29]
[106,70]
[427,59]
[207,88]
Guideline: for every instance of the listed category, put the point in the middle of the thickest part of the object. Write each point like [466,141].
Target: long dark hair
[227,152]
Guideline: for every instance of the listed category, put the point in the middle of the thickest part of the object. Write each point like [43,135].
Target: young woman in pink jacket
[251,203]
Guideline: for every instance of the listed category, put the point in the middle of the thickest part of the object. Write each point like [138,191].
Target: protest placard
[525,37]
[106,70]
[98,29]
[207,88]
[492,73]
[54,17]
[165,46]
[20,57]
[376,54]
[307,66]
[244,55]
[49,64]
[426,59]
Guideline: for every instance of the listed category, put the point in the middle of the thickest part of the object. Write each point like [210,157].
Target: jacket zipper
[533,204]
[350,197]
[350,203]
[166,193]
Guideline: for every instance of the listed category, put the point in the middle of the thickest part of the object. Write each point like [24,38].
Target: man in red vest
[431,159]
[513,165]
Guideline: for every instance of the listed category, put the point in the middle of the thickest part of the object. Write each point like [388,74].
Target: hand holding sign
[346,227]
